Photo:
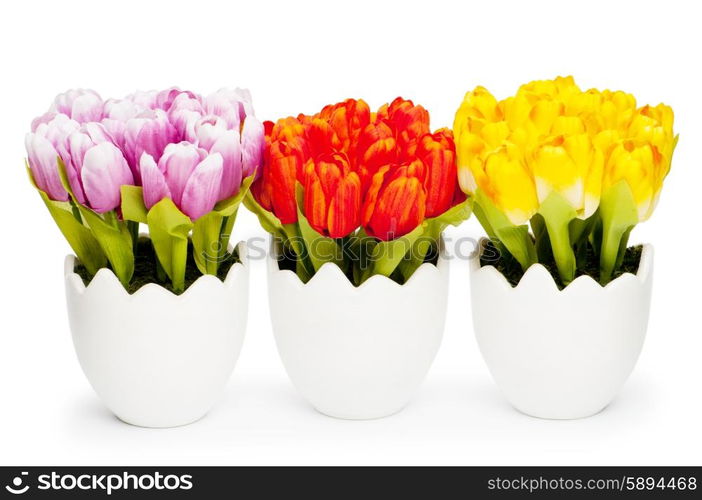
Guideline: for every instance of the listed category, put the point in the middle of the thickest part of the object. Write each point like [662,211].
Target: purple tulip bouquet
[173,160]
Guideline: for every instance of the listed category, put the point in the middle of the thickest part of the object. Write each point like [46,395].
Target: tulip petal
[202,190]
[103,174]
[153,181]
[252,143]
[177,163]
[229,147]
[43,164]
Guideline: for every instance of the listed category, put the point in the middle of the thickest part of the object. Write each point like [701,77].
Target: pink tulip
[45,145]
[229,146]
[212,134]
[104,171]
[186,174]
[150,133]
[252,144]
[82,146]
[184,112]
[232,105]
[79,104]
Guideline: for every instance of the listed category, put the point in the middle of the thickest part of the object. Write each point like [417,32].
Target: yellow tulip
[643,168]
[572,167]
[552,137]
[509,184]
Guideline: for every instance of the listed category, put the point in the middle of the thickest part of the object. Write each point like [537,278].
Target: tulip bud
[509,185]
[643,168]
[395,203]
[177,164]
[44,146]
[153,181]
[347,119]
[376,148]
[202,189]
[149,133]
[252,145]
[409,123]
[332,195]
[438,152]
[79,104]
[572,167]
[104,171]
[229,146]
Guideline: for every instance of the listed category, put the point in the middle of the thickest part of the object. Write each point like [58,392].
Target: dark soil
[590,265]
[145,269]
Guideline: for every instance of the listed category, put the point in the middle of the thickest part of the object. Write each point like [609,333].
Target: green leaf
[228,207]
[169,228]
[558,213]
[320,249]
[112,235]
[430,238]
[387,255]
[207,230]
[514,239]
[133,207]
[115,240]
[79,237]
[619,215]
[454,216]
[211,231]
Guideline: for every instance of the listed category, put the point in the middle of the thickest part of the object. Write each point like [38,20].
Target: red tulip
[396,201]
[438,152]
[332,195]
[347,119]
[408,122]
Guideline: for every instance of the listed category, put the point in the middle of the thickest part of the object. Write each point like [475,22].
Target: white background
[295,57]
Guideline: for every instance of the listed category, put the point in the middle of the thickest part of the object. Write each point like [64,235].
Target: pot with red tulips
[356,202]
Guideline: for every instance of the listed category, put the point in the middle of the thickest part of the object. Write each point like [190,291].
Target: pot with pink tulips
[157,319]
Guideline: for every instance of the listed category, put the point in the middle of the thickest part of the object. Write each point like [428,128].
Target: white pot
[157,359]
[357,352]
[560,354]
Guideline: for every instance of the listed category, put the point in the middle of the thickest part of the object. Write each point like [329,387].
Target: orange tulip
[376,148]
[438,153]
[383,170]
[332,195]
[396,201]
[409,122]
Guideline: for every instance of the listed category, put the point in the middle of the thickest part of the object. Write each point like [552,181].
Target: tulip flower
[97,169]
[149,133]
[564,154]
[184,162]
[396,201]
[186,174]
[365,178]
[48,142]
[438,152]
[80,105]
[332,195]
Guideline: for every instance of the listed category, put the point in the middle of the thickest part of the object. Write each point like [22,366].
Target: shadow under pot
[560,354]
[357,352]
[154,358]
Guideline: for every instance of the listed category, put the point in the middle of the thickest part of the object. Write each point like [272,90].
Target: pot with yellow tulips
[560,177]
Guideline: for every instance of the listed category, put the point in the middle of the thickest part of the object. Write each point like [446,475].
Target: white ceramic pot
[154,358]
[560,354]
[357,352]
